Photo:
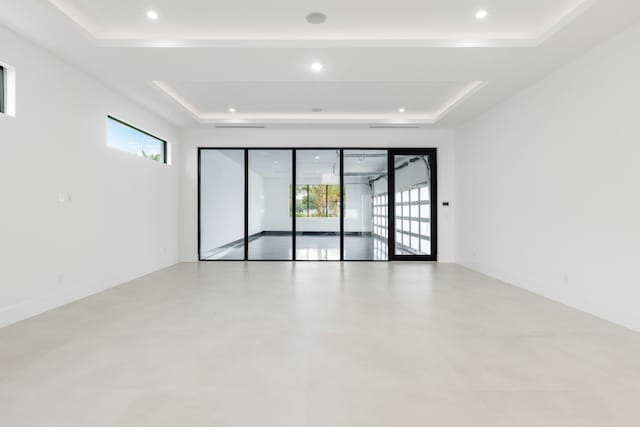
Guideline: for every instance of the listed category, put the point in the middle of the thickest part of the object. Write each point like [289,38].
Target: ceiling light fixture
[317,157]
[232,110]
[316,18]
[153,15]
[316,66]
[481,14]
[401,110]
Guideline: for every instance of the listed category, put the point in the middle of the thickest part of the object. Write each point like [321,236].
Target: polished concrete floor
[318,345]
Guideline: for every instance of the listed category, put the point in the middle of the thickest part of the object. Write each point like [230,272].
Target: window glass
[2,89]
[317,200]
[124,137]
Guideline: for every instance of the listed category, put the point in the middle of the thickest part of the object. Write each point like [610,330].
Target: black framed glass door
[412,199]
[318,205]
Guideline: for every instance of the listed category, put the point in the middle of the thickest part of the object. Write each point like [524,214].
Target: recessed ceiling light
[316,18]
[317,66]
[481,14]
[153,15]
[317,157]
[232,110]
[401,110]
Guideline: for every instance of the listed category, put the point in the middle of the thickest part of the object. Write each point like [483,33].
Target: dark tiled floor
[317,248]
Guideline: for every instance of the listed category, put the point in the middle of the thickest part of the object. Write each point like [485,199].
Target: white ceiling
[359,102]
[430,56]
[353,19]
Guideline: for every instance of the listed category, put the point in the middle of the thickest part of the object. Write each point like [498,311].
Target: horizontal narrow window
[125,137]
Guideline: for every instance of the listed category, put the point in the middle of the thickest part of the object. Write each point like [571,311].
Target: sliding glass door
[413,233]
[318,205]
[222,228]
[365,213]
[356,204]
[269,205]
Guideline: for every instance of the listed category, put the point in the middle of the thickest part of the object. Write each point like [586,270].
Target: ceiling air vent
[394,127]
[238,127]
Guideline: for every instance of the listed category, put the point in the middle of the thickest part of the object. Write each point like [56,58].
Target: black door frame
[431,153]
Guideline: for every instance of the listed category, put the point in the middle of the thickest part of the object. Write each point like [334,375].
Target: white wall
[277,204]
[120,223]
[547,185]
[257,202]
[314,137]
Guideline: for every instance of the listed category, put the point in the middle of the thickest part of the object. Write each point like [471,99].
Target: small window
[125,137]
[2,90]
[317,200]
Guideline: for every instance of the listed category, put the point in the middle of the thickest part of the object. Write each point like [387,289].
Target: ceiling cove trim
[549,29]
[324,118]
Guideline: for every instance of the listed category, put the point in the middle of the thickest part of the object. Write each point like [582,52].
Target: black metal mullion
[341,204]
[293,204]
[391,205]
[199,201]
[246,204]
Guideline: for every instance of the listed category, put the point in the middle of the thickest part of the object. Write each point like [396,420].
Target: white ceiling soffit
[248,23]
[371,117]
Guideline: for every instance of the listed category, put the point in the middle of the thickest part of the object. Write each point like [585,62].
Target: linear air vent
[394,127]
[238,127]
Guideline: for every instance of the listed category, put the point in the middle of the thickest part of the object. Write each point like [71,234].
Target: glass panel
[2,86]
[424,193]
[124,137]
[270,236]
[425,229]
[415,243]
[318,204]
[222,204]
[425,211]
[412,175]
[366,186]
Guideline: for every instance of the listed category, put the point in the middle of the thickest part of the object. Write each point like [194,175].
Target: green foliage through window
[317,200]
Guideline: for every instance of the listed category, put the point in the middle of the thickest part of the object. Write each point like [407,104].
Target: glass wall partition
[365,213]
[318,205]
[222,229]
[287,204]
[269,205]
